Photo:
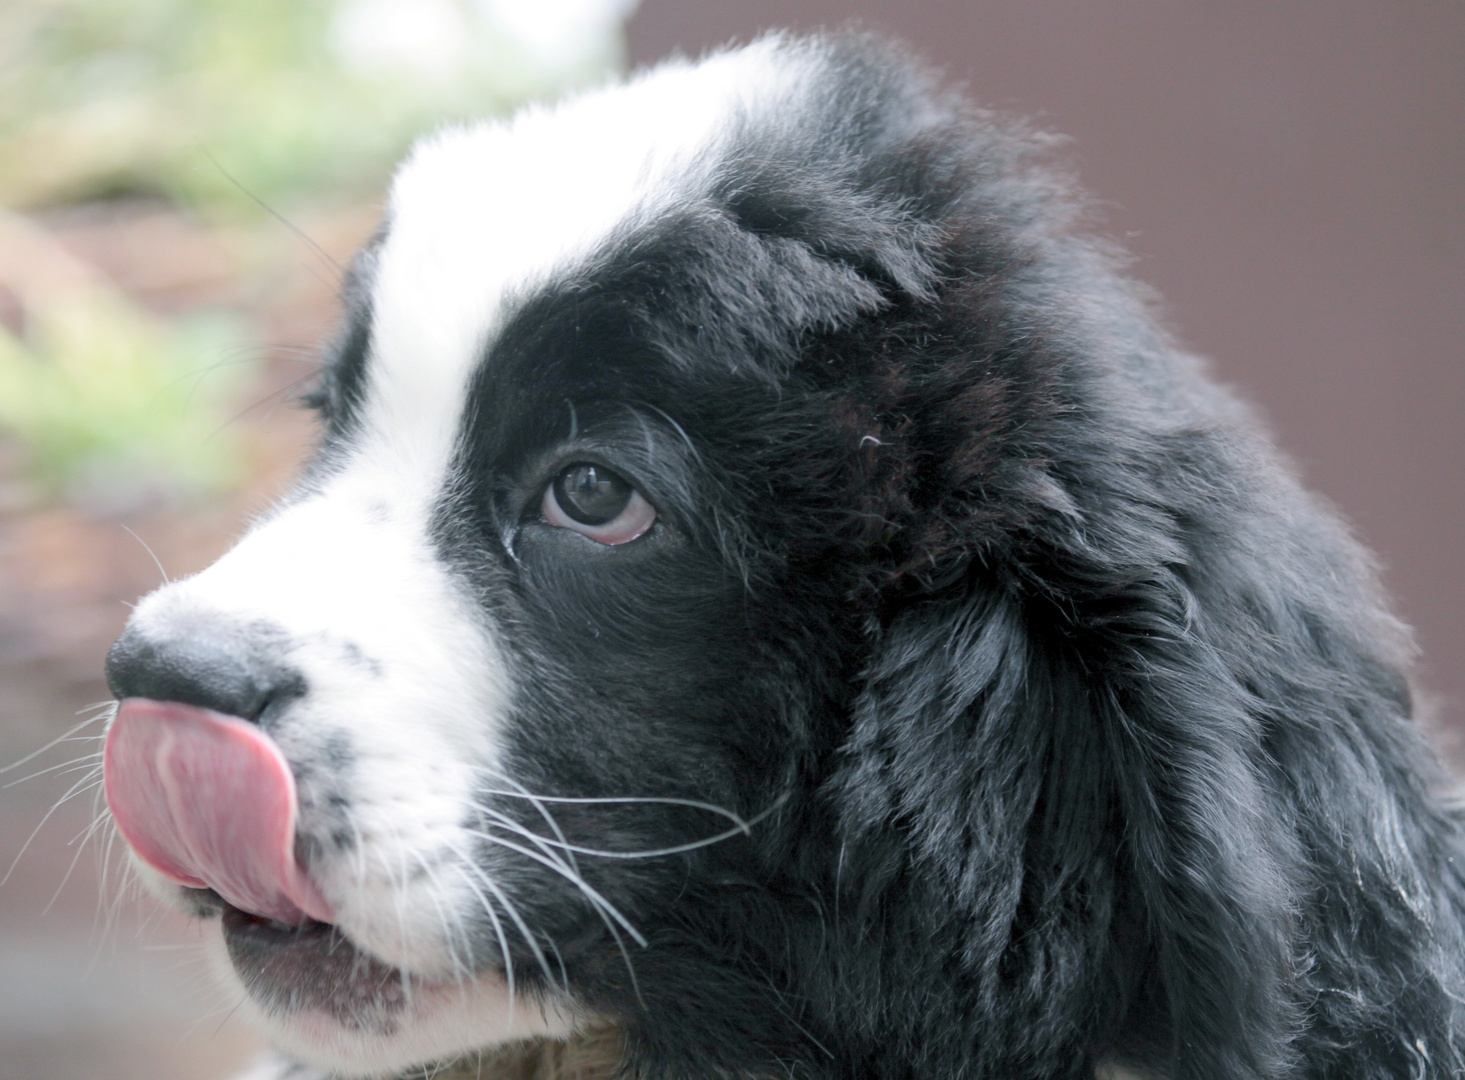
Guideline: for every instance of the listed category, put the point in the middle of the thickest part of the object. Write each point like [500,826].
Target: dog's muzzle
[199,791]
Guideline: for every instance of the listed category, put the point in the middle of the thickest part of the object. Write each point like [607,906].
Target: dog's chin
[321,999]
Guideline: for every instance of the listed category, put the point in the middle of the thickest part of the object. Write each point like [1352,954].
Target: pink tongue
[209,801]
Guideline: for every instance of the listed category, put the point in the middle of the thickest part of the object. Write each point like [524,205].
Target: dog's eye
[597,503]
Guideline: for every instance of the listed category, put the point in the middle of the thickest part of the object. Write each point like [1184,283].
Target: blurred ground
[90,987]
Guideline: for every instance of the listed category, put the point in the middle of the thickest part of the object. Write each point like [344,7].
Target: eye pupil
[590,494]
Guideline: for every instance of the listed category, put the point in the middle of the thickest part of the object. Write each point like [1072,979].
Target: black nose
[236,669]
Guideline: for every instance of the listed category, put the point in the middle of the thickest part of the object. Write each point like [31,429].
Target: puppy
[769,601]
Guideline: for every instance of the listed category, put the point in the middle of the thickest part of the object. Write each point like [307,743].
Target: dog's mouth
[208,801]
[314,967]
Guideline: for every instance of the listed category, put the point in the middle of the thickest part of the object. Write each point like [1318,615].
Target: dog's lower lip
[240,921]
[313,967]
[266,933]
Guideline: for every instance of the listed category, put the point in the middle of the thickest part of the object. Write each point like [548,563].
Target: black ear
[1059,797]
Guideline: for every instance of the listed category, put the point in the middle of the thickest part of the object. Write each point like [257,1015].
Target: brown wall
[1291,176]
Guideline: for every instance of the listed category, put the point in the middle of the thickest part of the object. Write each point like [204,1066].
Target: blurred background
[181,180]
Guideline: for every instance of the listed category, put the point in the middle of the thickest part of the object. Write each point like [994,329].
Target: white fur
[348,570]
[479,215]
[357,593]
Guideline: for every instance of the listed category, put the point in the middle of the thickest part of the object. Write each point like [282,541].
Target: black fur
[1074,729]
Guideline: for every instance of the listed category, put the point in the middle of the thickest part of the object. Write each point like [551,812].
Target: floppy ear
[1056,785]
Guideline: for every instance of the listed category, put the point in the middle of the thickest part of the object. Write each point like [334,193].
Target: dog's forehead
[480,217]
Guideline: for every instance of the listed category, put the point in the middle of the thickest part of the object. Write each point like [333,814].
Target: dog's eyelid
[628,466]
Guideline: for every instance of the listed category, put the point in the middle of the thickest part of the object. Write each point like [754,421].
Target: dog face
[514,637]
[765,583]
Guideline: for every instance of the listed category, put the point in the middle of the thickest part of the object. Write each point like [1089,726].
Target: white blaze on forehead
[478,215]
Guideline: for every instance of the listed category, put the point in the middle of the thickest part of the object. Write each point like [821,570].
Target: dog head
[540,647]
[751,567]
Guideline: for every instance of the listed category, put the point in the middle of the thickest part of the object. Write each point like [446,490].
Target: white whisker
[152,554]
[654,853]
[538,804]
[85,762]
[513,913]
[68,733]
[590,892]
[80,787]
[454,925]
[83,836]
[565,865]
[498,931]
[694,804]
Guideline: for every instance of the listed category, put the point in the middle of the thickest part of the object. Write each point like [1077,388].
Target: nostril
[231,669]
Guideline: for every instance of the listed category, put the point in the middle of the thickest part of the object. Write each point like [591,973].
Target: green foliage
[223,107]
[118,410]
[190,97]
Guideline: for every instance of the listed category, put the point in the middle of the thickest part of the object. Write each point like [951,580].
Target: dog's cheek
[404,886]
[385,793]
